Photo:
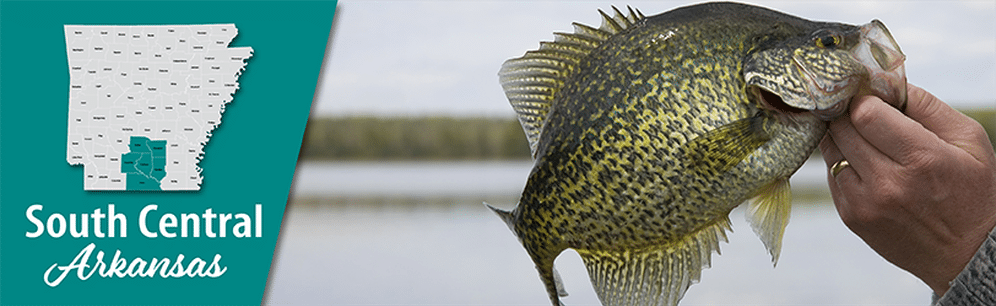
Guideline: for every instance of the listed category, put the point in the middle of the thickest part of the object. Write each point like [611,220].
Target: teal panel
[289,40]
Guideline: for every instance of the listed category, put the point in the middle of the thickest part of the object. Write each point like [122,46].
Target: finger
[888,130]
[831,155]
[863,157]
[933,113]
[828,149]
[948,124]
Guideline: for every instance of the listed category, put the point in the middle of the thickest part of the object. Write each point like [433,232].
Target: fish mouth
[823,83]
[831,98]
[882,60]
[780,110]
[805,92]
[773,101]
[879,53]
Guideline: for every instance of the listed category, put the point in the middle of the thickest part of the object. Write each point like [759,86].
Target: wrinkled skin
[921,190]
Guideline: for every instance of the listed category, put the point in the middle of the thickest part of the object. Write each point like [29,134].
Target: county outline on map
[143,101]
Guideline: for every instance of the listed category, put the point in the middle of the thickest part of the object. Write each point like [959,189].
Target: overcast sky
[408,58]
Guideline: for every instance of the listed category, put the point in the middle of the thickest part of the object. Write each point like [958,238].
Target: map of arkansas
[143,101]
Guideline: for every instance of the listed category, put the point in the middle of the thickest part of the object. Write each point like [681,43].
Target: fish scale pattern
[645,137]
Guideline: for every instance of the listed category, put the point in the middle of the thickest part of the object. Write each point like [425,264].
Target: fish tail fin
[657,275]
[768,214]
[551,280]
[544,264]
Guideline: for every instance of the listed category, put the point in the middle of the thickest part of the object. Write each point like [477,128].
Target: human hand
[920,190]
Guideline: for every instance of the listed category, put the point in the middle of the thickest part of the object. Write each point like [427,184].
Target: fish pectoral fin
[657,275]
[718,150]
[768,214]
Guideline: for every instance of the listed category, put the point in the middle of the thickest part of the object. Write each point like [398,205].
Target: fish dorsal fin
[531,81]
[768,214]
[657,275]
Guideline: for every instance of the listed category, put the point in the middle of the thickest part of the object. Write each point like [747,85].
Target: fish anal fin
[656,275]
[768,214]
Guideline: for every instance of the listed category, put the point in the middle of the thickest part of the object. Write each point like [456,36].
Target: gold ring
[839,166]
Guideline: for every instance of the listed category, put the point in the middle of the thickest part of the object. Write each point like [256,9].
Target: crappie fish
[648,131]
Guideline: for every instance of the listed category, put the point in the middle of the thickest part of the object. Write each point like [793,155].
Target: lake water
[417,234]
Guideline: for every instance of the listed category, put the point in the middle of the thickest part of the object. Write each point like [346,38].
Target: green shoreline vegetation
[446,138]
[415,138]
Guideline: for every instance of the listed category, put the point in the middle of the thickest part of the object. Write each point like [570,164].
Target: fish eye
[827,40]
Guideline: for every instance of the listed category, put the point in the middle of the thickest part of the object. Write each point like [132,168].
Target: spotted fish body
[648,131]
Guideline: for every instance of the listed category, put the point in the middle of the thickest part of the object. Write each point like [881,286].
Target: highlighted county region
[129,85]
[145,165]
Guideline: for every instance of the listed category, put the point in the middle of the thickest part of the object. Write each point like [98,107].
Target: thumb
[947,123]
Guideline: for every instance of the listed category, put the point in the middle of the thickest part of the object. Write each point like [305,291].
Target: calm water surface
[417,234]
